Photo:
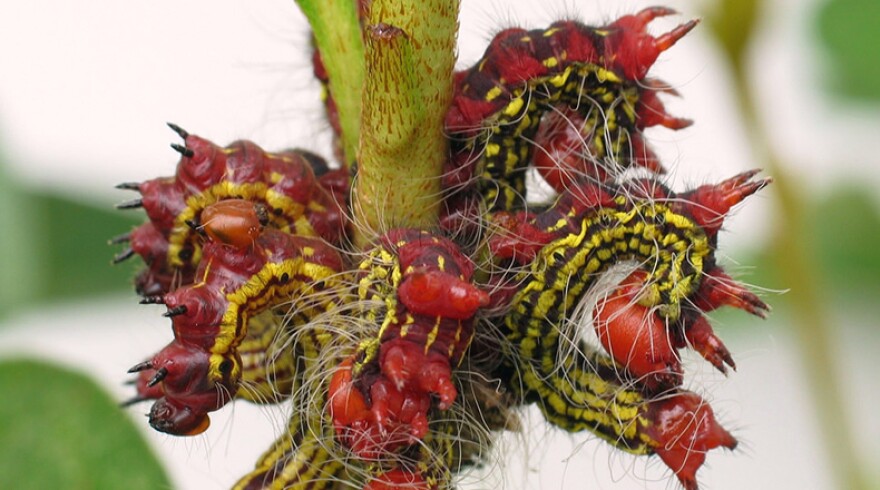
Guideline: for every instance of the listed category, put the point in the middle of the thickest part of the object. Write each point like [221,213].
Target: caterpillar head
[235,222]
[684,428]
[188,383]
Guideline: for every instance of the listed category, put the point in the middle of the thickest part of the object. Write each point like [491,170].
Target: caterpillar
[294,197]
[593,75]
[417,305]
[418,289]
[672,236]
[200,370]
[402,362]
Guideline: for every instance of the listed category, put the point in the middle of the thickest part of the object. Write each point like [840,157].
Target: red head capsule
[235,222]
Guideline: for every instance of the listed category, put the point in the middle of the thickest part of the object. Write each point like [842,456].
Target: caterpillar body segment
[676,425]
[594,77]
[304,457]
[417,290]
[284,186]
[210,318]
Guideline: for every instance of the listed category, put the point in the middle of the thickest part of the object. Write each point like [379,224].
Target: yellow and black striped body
[305,456]
[525,75]
[597,93]
[576,387]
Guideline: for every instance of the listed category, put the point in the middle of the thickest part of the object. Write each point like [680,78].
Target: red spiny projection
[709,204]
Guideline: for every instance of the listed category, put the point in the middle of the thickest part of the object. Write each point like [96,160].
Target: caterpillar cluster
[403,361]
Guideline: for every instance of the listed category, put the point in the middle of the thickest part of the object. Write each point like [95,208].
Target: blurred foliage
[841,231]
[59,249]
[78,260]
[733,23]
[850,33]
[60,430]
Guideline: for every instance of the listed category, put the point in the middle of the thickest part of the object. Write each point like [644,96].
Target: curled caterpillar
[596,74]
[200,370]
[653,312]
[293,197]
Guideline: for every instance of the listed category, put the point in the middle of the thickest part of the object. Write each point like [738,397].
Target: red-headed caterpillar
[417,289]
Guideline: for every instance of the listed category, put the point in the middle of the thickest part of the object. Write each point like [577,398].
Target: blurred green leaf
[842,230]
[850,31]
[845,230]
[75,254]
[60,430]
[733,22]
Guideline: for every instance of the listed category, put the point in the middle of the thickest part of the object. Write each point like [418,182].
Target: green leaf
[60,430]
[849,31]
[74,254]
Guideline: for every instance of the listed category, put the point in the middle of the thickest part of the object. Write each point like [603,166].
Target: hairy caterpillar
[673,238]
[596,73]
[286,184]
[424,307]
[199,371]
[374,348]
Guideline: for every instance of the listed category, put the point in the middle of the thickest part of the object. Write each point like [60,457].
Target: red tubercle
[631,51]
[650,112]
[684,428]
[398,479]
[201,164]
[698,334]
[636,337]
[177,377]
[718,289]
[708,205]
[515,237]
[437,293]
[512,58]
[163,201]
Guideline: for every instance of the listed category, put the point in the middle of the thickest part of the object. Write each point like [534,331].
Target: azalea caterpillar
[595,77]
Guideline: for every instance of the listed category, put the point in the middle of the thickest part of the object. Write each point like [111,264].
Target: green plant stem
[410,58]
[337,32]
[796,262]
